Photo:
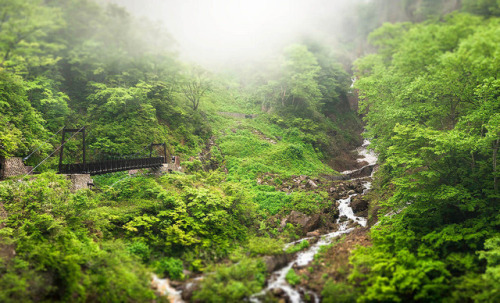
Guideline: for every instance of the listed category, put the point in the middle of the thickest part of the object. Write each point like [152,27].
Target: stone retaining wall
[12,167]
[79,181]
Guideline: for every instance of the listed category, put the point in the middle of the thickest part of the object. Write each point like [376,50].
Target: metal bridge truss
[108,166]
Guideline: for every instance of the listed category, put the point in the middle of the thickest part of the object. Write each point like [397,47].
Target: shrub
[140,249]
[265,246]
[292,278]
[338,292]
[295,152]
[232,283]
[171,267]
[298,247]
[273,202]
[192,166]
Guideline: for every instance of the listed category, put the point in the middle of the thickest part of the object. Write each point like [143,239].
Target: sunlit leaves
[20,122]
[431,99]
[24,27]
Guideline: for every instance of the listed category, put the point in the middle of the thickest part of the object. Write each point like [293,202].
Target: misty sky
[235,31]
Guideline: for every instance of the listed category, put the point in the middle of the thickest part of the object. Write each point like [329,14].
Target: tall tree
[195,85]
[25,26]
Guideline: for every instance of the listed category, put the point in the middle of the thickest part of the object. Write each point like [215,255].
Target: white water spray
[278,278]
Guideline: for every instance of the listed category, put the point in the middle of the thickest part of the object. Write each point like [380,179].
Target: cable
[33,169]
[142,150]
[39,146]
[128,176]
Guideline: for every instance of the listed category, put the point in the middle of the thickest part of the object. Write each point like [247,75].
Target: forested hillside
[75,63]
[269,167]
[431,98]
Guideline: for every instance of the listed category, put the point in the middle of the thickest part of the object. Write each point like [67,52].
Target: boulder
[313,234]
[312,184]
[308,223]
[282,224]
[359,188]
[276,262]
[189,288]
[364,171]
[296,217]
[359,204]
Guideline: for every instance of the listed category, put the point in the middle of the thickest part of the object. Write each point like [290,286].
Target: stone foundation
[173,165]
[12,167]
[80,181]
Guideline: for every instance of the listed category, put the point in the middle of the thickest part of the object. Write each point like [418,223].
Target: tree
[20,124]
[195,85]
[432,103]
[301,70]
[482,7]
[332,79]
[24,29]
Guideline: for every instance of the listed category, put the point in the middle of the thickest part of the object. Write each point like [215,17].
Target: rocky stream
[352,211]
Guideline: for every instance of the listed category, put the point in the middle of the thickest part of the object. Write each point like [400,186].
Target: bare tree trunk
[283,96]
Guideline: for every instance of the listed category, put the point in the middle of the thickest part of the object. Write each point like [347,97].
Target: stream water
[278,280]
[163,287]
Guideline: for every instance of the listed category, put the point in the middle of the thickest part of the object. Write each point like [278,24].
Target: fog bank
[232,32]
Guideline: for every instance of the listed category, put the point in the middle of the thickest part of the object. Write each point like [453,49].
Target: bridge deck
[111,166]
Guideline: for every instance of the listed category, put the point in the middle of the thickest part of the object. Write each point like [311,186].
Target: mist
[232,32]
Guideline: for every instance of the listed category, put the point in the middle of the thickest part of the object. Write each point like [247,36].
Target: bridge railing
[109,166]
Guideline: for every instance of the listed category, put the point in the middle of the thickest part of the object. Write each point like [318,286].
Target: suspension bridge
[127,162]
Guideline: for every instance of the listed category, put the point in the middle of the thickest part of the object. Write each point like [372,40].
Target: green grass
[249,154]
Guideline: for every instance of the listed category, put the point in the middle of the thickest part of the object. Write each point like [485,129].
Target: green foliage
[74,63]
[482,7]
[248,153]
[491,277]
[59,253]
[273,202]
[192,166]
[171,267]
[403,275]
[298,247]
[83,64]
[265,246]
[431,100]
[292,278]
[25,30]
[21,124]
[232,283]
[140,249]
[172,215]
[338,292]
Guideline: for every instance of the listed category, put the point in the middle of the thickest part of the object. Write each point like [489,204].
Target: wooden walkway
[111,166]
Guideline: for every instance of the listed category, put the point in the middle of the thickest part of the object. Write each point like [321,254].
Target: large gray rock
[364,171]
[276,262]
